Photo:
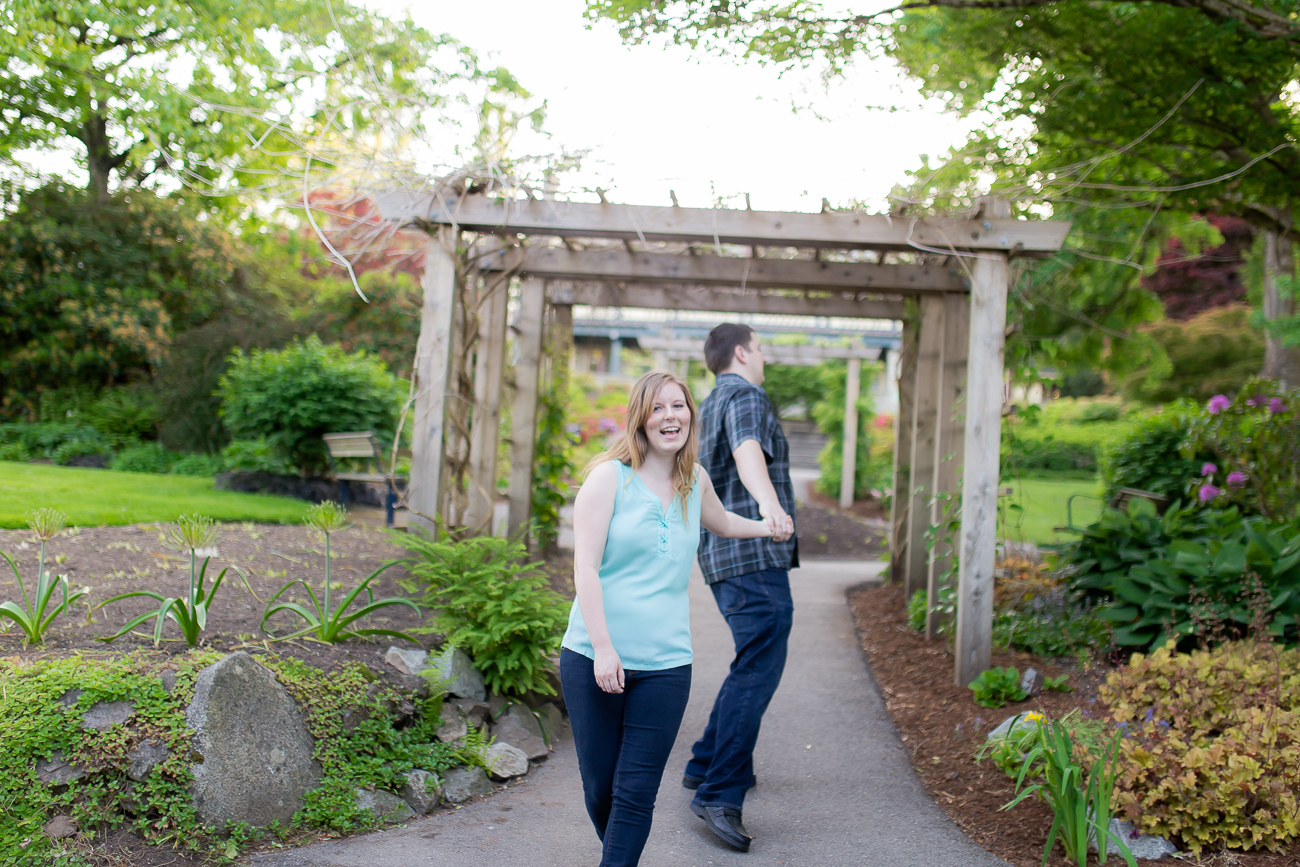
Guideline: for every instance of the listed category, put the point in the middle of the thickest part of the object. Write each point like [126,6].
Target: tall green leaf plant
[34,616]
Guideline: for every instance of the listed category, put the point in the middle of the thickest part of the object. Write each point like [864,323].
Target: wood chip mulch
[943,727]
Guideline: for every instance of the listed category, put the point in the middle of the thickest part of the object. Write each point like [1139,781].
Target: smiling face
[669,423]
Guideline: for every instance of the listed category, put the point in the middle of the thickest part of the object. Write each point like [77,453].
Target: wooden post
[979,495]
[523,421]
[925,415]
[950,447]
[848,468]
[485,432]
[902,453]
[432,365]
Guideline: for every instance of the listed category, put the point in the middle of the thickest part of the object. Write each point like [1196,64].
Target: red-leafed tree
[1190,284]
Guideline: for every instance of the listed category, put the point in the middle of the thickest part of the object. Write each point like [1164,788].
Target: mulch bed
[943,727]
[870,509]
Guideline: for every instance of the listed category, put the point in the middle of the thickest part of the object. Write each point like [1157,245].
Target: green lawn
[1044,508]
[94,497]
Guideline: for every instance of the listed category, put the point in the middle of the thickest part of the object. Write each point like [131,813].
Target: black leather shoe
[725,823]
[693,783]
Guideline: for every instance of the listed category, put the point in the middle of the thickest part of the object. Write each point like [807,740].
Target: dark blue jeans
[623,742]
[760,612]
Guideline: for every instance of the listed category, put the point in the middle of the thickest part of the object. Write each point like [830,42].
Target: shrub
[70,452]
[255,456]
[1062,435]
[997,686]
[1149,457]
[494,604]
[828,412]
[197,465]
[1058,623]
[1213,352]
[14,452]
[293,396]
[123,413]
[1213,748]
[144,458]
[44,439]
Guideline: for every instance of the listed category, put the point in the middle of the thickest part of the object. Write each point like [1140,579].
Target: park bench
[360,445]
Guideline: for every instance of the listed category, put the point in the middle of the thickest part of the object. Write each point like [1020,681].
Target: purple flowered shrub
[1236,479]
[1207,493]
[1218,404]
[1208,469]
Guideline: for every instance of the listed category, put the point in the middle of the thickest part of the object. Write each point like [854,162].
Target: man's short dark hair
[720,345]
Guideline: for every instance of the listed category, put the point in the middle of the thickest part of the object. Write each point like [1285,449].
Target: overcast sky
[657,118]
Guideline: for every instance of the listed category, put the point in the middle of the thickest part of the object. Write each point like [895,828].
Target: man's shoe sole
[698,809]
[693,783]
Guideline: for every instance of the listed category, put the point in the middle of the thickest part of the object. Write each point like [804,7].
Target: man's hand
[781,524]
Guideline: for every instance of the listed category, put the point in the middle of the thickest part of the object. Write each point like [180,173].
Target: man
[747,457]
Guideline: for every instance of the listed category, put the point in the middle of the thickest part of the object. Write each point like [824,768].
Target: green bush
[293,396]
[123,413]
[1149,456]
[832,378]
[1212,753]
[494,604]
[255,456]
[43,440]
[197,465]
[1212,353]
[1058,623]
[997,686]
[144,458]
[1062,435]
[82,448]
[14,452]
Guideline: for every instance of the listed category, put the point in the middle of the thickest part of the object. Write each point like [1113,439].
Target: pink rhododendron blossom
[1208,469]
[1275,405]
[1207,493]
[1218,404]
[1236,479]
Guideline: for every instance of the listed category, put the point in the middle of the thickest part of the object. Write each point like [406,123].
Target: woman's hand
[609,670]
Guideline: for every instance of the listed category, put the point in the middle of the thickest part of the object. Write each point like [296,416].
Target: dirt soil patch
[870,509]
[943,727]
[830,535]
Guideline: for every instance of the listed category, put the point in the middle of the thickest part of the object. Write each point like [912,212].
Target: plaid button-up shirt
[736,411]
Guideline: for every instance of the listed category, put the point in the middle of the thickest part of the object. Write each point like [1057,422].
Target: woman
[626,659]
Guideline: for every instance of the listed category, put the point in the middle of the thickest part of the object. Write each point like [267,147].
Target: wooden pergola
[950,290]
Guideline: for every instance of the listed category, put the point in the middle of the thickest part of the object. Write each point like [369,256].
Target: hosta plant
[330,620]
[997,686]
[192,533]
[35,615]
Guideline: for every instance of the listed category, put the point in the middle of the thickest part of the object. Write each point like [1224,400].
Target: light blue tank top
[644,576]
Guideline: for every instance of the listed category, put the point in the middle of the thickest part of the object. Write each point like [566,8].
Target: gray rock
[60,827]
[505,761]
[453,726]
[415,685]
[422,791]
[550,718]
[454,668]
[1018,722]
[128,801]
[168,680]
[461,784]
[406,661]
[1031,681]
[476,713]
[1139,844]
[518,727]
[384,806]
[58,771]
[69,697]
[251,750]
[145,757]
[497,705]
[106,714]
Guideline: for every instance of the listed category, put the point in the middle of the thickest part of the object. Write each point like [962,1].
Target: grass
[1043,500]
[91,498]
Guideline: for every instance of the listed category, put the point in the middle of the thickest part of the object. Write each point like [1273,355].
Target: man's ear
[740,354]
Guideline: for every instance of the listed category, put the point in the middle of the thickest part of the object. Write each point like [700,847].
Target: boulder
[422,790]
[454,668]
[406,661]
[252,752]
[1139,844]
[414,685]
[384,806]
[461,784]
[476,713]
[550,718]
[69,697]
[144,758]
[106,714]
[505,761]
[60,827]
[1016,722]
[518,727]
[57,770]
[453,726]
[497,705]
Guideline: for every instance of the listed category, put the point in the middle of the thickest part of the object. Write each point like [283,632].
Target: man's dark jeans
[760,612]
[623,742]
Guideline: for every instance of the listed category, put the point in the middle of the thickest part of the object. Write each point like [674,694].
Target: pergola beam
[714,226]
[559,263]
[675,348]
[670,297]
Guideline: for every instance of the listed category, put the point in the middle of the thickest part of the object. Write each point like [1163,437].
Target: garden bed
[943,727]
[832,535]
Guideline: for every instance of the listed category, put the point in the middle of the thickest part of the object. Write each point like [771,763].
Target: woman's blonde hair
[631,447]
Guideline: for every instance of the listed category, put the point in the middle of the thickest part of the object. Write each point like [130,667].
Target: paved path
[835,784]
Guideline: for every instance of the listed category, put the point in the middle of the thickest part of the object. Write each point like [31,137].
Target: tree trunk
[1281,363]
[99,154]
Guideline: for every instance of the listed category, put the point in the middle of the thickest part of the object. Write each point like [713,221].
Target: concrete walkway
[835,785]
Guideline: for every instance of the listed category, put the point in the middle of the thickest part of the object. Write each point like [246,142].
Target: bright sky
[656,117]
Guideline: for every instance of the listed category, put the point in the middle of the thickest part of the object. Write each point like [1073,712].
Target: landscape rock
[144,758]
[461,784]
[476,713]
[550,719]
[106,714]
[128,801]
[453,667]
[497,705]
[518,727]
[422,791]
[60,827]
[384,806]
[1139,844]
[406,661]
[453,728]
[168,680]
[69,697]
[252,752]
[1031,682]
[415,685]
[505,761]
[57,770]
[1018,722]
